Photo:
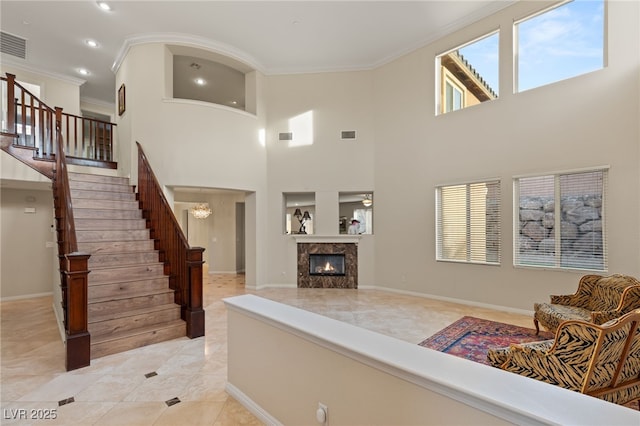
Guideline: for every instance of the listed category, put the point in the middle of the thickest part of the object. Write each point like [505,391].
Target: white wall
[191,143]
[217,233]
[401,153]
[28,243]
[338,101]
[55,90]
[586,121]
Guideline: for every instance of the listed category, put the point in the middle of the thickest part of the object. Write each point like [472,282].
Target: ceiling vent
[13,45]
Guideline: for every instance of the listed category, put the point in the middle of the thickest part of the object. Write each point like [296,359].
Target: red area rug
[471,338]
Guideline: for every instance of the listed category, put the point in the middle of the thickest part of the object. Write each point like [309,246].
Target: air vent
[286,136]
[13,45]
[348,134]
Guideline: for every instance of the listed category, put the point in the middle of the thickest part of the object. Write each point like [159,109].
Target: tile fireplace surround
[348,280]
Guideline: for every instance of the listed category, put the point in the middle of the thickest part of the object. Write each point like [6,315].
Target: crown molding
[185,40]
[6,61]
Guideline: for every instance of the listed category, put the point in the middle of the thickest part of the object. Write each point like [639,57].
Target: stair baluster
[182,263]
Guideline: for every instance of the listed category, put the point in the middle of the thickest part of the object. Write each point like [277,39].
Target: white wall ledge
[313,238]
[499,393]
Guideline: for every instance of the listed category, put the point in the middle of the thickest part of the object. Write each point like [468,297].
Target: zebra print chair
[597,300]
[598,360]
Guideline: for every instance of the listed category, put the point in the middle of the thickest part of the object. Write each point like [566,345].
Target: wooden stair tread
[132,312]
[121,267]
[96,340]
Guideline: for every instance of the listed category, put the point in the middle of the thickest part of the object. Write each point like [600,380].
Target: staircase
[130,303]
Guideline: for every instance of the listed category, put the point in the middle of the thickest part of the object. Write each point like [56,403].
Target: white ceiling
[274,37]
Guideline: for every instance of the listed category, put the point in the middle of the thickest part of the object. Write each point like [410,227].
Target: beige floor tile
[113,390]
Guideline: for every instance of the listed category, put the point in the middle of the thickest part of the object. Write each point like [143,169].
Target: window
[468,222]
[454,96]
[559,43]
[467,75]
[560,220]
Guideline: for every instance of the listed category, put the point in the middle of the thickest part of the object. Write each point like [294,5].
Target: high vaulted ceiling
[274,37]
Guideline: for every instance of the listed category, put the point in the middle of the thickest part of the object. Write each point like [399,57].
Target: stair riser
[112,347]
[121,259]
[109,224]
[130,302]
[115,235]
[94,186]
[123,305]
[109,327]
[121,289]
[84,177]
[97,247]
[83,203]
[79,213]
[128,273]
[102,195]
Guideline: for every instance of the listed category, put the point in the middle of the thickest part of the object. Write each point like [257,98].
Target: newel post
[194,314]
[11,104]
[78,339]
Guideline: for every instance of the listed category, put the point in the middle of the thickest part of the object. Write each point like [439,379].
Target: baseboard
[25,296]
[251,406]
[455,300]
[60,322]
[423,295]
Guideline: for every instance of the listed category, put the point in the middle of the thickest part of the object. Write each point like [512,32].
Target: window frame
[469,96]
[496,237]
[557,266]
[515,30]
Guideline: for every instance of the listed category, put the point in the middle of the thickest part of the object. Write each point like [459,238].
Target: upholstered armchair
[597,300]
[598,360]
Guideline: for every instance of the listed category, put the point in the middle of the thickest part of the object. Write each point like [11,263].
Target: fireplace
[327,265]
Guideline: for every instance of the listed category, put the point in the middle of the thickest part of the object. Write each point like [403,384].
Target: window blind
[468,222]
[561,220]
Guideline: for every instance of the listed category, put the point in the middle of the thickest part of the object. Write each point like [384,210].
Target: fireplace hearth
[327,265]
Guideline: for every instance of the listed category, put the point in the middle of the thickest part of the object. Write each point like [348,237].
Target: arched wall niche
[207,76]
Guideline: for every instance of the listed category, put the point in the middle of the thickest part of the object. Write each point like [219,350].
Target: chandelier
[200,211]
[367,202]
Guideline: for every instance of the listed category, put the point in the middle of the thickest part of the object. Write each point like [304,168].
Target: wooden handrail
[74,271]
[182,263]
[45,132]
[86,141]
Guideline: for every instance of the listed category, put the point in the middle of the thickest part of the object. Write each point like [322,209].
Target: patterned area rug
[471,338]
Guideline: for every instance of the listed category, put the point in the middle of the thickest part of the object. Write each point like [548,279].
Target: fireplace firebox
[327,264]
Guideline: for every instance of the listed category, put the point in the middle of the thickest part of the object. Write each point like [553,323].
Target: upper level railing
[86,141]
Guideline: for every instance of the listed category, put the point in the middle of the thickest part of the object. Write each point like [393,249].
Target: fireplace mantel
[305,238]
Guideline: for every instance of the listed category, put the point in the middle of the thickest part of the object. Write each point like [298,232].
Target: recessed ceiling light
[104,5]
[200,81]
[91,43]
[83,71]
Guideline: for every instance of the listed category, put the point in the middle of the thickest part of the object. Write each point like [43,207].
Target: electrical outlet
[322,414]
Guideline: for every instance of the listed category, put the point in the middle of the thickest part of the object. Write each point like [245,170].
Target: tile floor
[180,382]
